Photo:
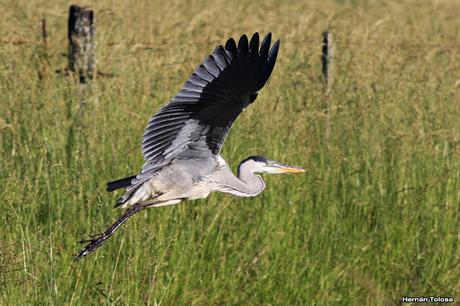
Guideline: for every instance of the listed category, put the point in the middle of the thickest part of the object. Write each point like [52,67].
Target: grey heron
[182,142]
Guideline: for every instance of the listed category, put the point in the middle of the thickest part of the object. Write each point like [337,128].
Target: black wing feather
[210,100]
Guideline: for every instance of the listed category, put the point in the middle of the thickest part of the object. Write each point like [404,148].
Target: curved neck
[250,184]
[245,184]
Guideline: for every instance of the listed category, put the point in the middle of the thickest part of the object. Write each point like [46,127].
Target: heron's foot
[92,238]
[97,240]
[92,245]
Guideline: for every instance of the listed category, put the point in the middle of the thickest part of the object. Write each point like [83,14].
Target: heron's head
[260,164]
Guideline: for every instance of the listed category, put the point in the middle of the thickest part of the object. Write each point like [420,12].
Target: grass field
[375,217]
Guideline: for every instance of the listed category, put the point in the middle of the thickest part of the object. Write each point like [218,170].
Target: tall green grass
[375,217]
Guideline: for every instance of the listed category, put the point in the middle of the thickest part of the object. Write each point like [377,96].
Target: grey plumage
[199,117]
[182,142]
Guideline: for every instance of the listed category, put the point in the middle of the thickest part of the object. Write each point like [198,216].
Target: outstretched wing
[199,117]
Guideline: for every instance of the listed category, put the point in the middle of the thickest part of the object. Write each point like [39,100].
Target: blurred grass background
[375,217]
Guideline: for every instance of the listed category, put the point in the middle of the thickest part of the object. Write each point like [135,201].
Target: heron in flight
[182,142]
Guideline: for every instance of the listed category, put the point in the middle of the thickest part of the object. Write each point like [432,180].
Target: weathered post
[42,51]
[44,32]
[82,43]
[82,62]
[326,60]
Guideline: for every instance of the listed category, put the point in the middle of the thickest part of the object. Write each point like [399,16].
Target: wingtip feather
[254,44]
[243,45]
[265,46]
[230,46]
[274,50]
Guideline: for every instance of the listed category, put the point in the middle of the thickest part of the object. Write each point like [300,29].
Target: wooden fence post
[44,32]
[82,43]
[326,60]
[81,33]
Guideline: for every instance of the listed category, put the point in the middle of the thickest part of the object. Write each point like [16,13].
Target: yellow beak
[285,169]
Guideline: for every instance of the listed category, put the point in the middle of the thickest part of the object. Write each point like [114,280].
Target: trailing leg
[100,239]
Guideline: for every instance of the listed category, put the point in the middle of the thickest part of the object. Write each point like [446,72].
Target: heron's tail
[136,189]
[122,183]
[134,194]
